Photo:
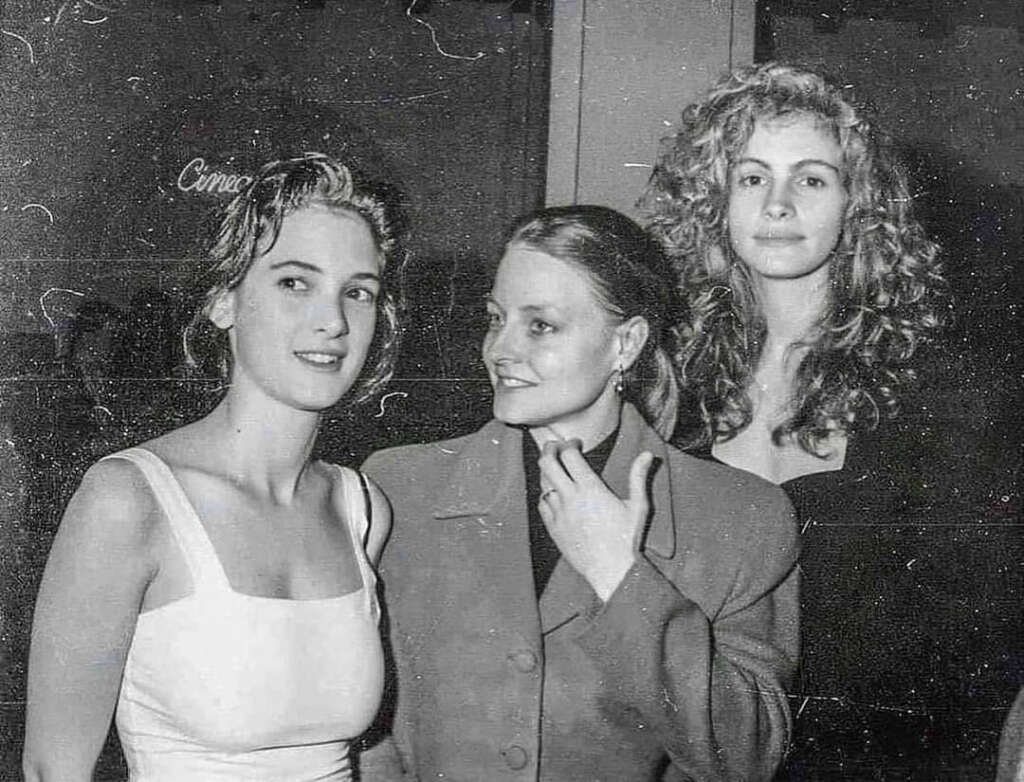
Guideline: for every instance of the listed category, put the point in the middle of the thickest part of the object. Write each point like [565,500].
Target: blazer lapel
[566,596]
[658,537]
[483,503]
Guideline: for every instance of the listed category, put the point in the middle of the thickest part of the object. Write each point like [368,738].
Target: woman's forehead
[791,135]
[531,277]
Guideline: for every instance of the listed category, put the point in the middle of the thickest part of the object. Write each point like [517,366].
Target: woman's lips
[321,360]
[776,239]
[513,382]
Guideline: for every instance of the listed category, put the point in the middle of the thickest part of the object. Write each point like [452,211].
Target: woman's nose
[331,319]
[499,346]
[778,201]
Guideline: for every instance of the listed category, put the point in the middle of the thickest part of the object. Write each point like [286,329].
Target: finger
[548,494]
[542,434]
[551,471]
[638,473]
[575,464]
[547,512]
[571,442]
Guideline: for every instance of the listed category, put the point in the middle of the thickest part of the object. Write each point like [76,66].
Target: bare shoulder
[379,511]
[108,537]
[191,447]
[380,521]
[113,501]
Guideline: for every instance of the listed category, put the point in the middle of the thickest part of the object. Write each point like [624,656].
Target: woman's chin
[511,414]
[513,419]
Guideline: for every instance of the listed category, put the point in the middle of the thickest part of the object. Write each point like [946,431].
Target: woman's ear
[632,336]
[221,310]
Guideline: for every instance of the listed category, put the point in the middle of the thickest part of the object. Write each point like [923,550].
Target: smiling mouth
[512,382]
[320,360]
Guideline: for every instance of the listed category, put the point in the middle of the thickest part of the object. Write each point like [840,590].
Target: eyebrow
[532,308]
[812,161]
[314,268]
[366,276]
[300,264]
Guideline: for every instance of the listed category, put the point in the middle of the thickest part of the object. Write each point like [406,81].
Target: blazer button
[515,757]
[524,660]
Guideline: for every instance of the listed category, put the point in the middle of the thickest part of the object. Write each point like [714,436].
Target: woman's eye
[814,181]
[751,180]
[493,320]
[293,284]
[363,295]
[541,327]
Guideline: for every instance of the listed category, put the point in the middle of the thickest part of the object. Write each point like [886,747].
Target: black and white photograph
[511,390]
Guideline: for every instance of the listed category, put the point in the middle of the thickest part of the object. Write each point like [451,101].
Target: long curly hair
[250,227]
[887,294]
[631,276]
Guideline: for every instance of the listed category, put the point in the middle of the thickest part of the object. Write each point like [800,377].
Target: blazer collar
[490,465]
[635,436]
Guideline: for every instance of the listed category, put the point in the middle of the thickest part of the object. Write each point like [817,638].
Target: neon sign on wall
[197,177]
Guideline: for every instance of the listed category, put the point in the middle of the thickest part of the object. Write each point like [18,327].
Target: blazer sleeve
[712,686]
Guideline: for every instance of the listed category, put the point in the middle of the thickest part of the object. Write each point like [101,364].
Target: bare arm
[97,573]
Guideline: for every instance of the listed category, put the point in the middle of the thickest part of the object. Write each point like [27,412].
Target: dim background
[104,103]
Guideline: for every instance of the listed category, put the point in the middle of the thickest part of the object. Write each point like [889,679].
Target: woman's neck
[590,430]
[265,447]
[791,308]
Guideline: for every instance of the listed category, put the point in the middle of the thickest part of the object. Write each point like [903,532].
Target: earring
[620,381]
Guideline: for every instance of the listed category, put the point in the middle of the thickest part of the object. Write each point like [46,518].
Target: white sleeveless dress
[225,686]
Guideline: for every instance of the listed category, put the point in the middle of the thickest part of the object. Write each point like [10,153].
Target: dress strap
[181,515]
[367,503]
[358,514]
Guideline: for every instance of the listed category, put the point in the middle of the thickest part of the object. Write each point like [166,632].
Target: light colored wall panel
[621,72]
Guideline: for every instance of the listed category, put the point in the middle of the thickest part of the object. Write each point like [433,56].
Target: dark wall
[110,113]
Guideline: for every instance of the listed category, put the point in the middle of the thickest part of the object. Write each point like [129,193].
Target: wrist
[611,577]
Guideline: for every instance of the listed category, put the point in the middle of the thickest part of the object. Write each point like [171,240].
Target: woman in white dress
[214,586]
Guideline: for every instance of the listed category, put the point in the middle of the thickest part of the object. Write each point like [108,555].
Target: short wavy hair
[887,296]
[631,276]
[250,227]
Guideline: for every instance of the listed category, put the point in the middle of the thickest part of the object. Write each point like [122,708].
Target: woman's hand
[594,529]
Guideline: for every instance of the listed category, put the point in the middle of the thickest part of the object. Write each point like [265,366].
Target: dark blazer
[681,674]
